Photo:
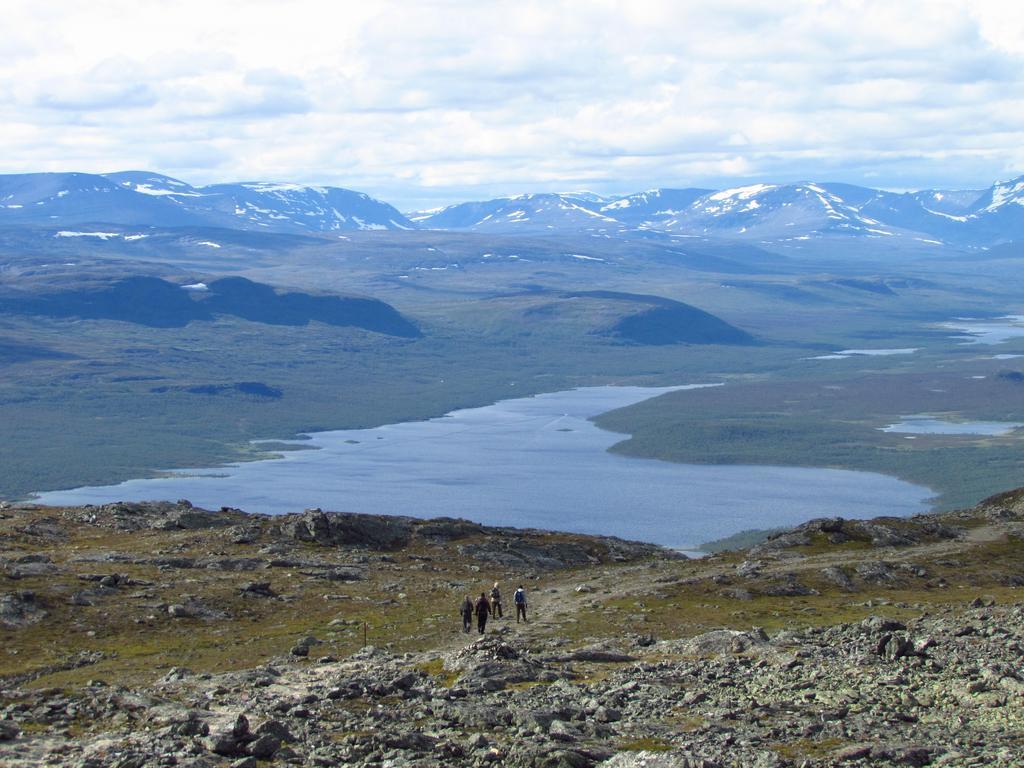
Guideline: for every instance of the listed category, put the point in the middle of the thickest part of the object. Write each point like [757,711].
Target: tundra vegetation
[134,634]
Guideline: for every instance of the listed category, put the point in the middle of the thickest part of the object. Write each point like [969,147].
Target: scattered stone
[477,741]
[264,747]
[644,759]
[839,577]
[563,731]
[275,728]
[257,589]
[882,624]
[875,571]
[852,752]
[721,641]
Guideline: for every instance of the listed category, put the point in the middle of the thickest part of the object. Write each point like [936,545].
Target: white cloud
[447,99]
[1000,24]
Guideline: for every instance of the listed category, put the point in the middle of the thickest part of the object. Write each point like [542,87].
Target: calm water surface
[994,331]
[845,354]
[929,425]
[532,462]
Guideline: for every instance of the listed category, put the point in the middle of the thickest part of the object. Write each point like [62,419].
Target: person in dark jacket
[467,613]
[483,610]
[519,598]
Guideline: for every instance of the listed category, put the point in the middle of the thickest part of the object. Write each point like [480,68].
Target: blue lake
[532,462]
[929,425]
[994,331]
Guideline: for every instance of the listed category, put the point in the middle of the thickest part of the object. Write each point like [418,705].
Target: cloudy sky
[429,102]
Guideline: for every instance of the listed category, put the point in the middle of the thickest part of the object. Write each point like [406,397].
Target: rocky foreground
[164,635]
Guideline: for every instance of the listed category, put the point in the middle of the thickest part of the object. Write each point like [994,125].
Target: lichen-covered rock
[20,609]
[345,529]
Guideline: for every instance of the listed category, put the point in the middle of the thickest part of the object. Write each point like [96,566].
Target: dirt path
[554,600]
[558,601]
[975,536]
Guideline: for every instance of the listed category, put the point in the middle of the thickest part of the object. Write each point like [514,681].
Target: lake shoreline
[537,462]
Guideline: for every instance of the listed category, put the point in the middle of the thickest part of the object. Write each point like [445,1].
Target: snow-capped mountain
[1002,196]
[66,198]
[651,209]
[535,213]
[780,213]
[298,208]
[762,212]
[773,211]
[141,198]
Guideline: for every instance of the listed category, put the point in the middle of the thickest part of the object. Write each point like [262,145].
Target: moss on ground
[807,749]
[646,744]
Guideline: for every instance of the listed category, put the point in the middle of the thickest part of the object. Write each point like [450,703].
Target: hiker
[496,601]
[519,598]
[483,610]
[467,613]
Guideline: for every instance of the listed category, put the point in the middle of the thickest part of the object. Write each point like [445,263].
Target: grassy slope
[139,642]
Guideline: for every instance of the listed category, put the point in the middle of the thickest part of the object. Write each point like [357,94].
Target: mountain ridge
[143,198]
[758,212]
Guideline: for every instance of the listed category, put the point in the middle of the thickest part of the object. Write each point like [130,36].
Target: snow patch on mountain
[147,189]
[740,193]
[1007,193]
[100,235]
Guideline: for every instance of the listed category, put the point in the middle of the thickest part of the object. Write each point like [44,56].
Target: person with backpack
[496,601]
[467,613]
[519,598]
[483,610]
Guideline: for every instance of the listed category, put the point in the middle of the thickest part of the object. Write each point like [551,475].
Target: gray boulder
[20,609]
[347,529]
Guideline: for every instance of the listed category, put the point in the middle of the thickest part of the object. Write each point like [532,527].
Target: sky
[428,103]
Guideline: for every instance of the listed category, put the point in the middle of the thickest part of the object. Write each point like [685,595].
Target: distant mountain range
[759,212]
[139,198]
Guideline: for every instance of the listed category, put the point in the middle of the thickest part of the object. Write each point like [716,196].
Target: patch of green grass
[686,723]
[821,544]
[807,749]
[435,668]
